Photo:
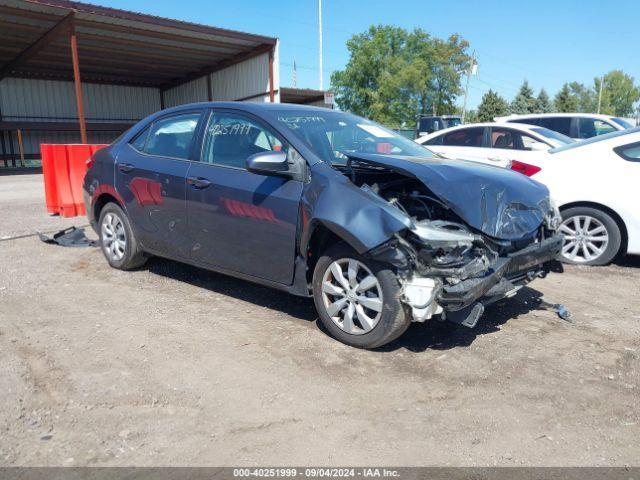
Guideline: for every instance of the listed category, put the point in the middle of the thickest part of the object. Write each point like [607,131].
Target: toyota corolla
[377,229]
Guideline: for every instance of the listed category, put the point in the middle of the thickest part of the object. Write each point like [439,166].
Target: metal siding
[193,91]
[31,99]
[243,79]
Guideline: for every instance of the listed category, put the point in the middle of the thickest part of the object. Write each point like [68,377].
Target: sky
[545,42]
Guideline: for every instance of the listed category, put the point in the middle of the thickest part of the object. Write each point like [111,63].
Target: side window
[435,140]
[231,138]
[505,138]
[468,137]
[139,141]
[591,127]
[629,152]
[558,124]
[172,136]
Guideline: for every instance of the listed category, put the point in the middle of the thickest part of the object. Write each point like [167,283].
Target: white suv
[575,125]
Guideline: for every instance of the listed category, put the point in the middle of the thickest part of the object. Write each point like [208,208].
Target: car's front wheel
[118,243]
[357,299]
[591,236]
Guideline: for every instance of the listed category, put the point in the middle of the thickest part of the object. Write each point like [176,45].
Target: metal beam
[219,66]
[59,28]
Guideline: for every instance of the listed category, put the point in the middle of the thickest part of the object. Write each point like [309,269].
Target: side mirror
[268,163]
[539,147]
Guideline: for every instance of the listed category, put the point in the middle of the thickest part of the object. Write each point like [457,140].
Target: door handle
[125,167]
[198,182]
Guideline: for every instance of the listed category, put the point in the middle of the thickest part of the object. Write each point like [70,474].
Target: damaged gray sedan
[380,231]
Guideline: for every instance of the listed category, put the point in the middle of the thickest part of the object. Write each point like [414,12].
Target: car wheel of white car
[591,236]
[357,299]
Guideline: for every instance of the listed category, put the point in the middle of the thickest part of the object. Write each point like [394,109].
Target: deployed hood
[498,202]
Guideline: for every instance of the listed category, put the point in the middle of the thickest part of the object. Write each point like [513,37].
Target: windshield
[333,136]
[453,122]
[622,122]
[559,139]
[597,139]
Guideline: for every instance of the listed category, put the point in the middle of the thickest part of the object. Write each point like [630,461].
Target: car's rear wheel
[117,240]
[591,236]
[358,300]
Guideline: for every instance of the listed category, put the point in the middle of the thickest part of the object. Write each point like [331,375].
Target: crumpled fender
[361,218]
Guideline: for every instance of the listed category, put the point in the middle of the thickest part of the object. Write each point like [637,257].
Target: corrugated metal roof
[117,46]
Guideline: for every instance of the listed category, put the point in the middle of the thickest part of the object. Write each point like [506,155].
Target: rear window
[622,122]
[558,137]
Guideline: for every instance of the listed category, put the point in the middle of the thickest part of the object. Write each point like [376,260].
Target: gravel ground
[173,365]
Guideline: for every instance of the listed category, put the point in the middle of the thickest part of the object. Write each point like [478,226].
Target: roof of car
[516,126]
[630,134]
[248,106]
[542,115]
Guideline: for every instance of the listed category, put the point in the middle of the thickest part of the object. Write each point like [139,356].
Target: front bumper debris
[428,296]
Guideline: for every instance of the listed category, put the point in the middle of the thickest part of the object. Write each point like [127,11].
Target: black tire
[133,256]
[394,319]
[612,230]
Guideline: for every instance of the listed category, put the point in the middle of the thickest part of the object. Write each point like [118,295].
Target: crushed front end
[447,266]
[446,269]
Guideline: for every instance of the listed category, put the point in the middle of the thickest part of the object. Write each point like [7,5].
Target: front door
[241,221]
[150,176]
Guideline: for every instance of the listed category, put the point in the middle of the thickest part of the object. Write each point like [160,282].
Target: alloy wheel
[585,238]
[114,238]
[352,296]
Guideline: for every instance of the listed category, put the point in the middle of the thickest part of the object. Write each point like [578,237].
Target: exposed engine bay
[446,266]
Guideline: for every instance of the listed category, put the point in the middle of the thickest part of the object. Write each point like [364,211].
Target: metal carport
[74,72]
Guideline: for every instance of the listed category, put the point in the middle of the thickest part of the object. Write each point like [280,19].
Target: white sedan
[494,143]
[595,185]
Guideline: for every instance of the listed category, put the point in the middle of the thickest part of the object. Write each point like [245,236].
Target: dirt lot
[172,365]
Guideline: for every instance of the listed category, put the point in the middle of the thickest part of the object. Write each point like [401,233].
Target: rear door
[150,176]
[238,220]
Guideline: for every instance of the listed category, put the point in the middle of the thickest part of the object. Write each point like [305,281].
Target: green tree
[392,74]
[491,106]
[543,103]
[619,93]
[524,102]
[585,97]
[565,101]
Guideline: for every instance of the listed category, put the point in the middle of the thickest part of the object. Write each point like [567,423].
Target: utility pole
[470,72]
[320,42]
[600,93]
[295,74]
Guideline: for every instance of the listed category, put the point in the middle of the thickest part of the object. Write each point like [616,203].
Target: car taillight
[524,168]
[90,162]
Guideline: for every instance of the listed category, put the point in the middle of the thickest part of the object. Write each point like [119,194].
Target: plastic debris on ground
[69,237]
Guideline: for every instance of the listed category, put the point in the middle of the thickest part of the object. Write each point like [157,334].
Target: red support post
[76,80]
[272,94]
